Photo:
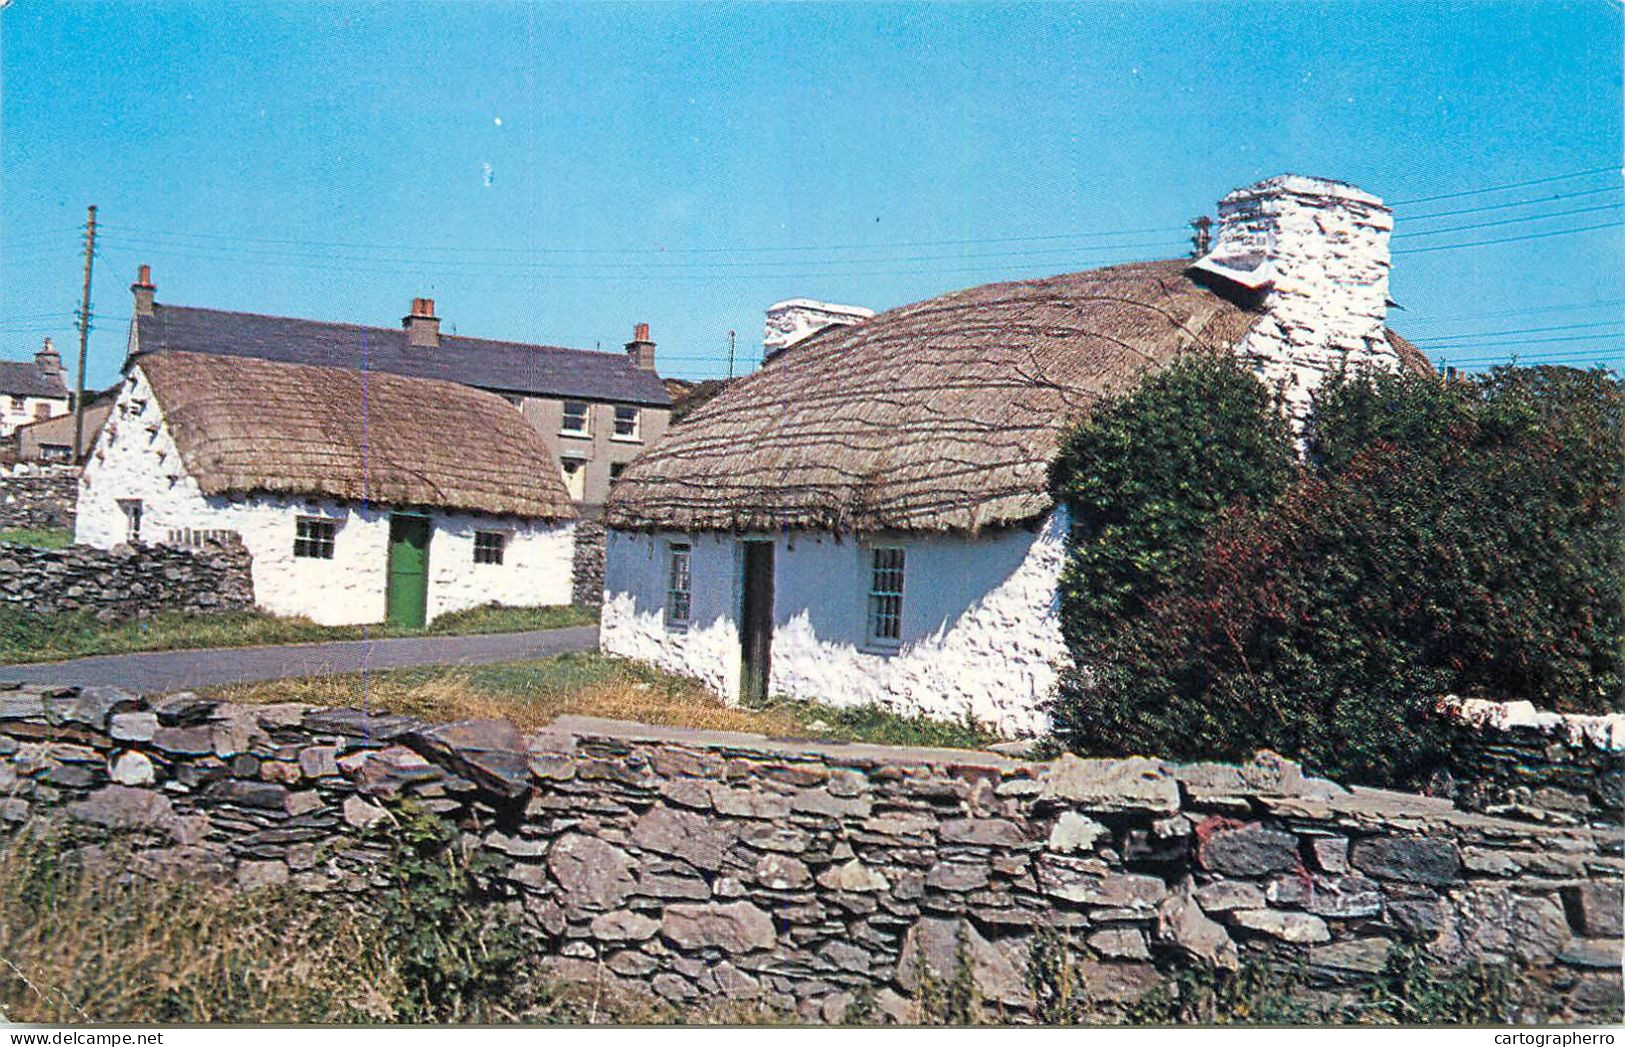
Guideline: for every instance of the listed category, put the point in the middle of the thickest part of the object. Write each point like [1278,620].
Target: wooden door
[407,598]
[756,620]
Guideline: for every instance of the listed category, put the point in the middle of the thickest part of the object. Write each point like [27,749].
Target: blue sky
[557,173]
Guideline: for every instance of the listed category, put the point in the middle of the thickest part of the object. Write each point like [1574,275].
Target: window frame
[586,418]
[317,546]
[483,551]
[133,510]
[679,594]
[883,607]
[636,435]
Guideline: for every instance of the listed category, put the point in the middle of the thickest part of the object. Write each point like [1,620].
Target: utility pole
[1201,238]
[84,341]
[730,354]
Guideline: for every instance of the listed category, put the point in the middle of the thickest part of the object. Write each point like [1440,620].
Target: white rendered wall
[135,457]
[11,417]
[980,632]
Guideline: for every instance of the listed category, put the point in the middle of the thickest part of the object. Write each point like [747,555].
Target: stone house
[436,498]
[32,391]
[595,411]
[867,518]
[51,440]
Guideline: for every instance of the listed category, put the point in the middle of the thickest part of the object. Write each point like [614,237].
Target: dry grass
[532,694]
[93,943]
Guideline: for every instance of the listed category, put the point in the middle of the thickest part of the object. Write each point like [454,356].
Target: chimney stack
[144,289]
[795,319]
[641,350]
[422,326]
[1313,253]
[48,361]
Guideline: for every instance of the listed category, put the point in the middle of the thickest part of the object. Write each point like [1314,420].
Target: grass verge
[533,693]
[38,537]
[28,636]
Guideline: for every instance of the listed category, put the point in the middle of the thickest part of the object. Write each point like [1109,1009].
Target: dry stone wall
[127,581]
[822,877]
[587,564]
[39,499]
[1514,759]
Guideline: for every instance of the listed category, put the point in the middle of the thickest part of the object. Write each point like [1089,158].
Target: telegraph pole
[1201,235]
[84,340]
[730,354]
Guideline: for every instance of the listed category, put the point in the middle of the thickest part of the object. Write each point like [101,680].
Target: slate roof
[505,367]
[24,378]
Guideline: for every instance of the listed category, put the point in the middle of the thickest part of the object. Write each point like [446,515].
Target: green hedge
[1441,537]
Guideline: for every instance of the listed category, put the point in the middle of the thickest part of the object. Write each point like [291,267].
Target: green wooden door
[407,597]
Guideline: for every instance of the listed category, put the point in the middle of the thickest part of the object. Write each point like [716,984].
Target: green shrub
[1442,538]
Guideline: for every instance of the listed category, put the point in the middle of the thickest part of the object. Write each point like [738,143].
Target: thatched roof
[942,415]
[245,425]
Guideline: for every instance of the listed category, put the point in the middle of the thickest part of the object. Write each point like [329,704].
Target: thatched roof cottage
[359,495]
[866,518]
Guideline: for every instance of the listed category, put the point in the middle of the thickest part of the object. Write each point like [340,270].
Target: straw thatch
[246,425]
[942,415]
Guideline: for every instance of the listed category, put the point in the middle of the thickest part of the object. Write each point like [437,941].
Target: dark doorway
[407,595]
[756,620]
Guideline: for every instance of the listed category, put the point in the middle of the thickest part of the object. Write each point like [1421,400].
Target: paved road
[163,671]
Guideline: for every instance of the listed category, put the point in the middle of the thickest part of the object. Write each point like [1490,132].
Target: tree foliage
[1441,537]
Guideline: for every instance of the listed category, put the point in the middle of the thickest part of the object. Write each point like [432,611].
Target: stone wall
[1511,758]
[587,567]
[823,877]
[127,581]
[38,497]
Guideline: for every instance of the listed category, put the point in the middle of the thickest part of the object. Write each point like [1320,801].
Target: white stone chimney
[1316,254]
[795,319]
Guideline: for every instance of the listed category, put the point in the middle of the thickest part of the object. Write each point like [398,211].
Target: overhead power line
[1508,185]
[1553,198]
[1530,341]
[1522,330]
[1509,239]
[1512,221]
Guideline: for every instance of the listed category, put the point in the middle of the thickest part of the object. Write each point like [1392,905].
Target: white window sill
[677,627]
[884,648]
[626,439]
[574,434]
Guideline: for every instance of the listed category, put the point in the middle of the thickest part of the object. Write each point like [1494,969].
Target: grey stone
[132,768]
[1117,890]
[1602,953]
[1134,784]
[1360,955]
[1296,927]
[733,927]
[490,753]
[1250,850]
[1118,982]
[183,709]
[1074,832]
[688,835]
[822,802]
[264,795]
[982,832]
[933,943]
[853,877]
[1409,859]
[630,963]
[958,875]
[1224,895]
[184,741]
[1120,943]
[673,987]
[1419,917]
[1331,853]
[592,873]
[381,727]
[360,814]
[319,761]
[725,981]
[623,926]
[1182,924]
[780,872]
[1596,908]
[786,839]
[1344,897]
[671,885]
[123,807]
[302,802]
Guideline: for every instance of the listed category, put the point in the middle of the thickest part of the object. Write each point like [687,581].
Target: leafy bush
[1441,538]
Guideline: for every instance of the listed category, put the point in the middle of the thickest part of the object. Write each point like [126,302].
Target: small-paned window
[886,595]
[679,591]
[313,538]
[488,546]
[575,417]
[616,469]
[626,423]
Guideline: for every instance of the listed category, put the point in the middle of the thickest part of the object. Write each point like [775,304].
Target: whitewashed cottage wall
[980,630]
[15,411]
[135,457]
